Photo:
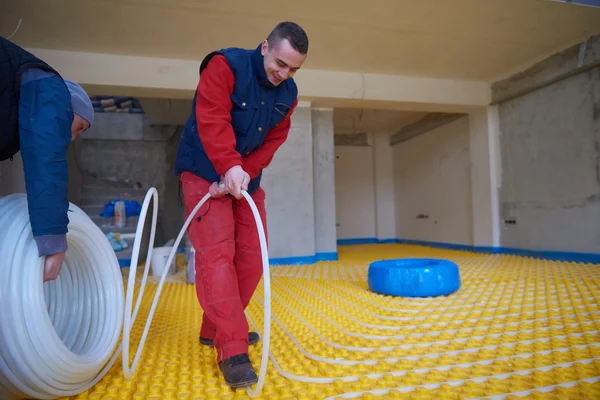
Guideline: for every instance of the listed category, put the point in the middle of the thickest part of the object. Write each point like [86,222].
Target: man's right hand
[216,190]
[236,180]
[52,265]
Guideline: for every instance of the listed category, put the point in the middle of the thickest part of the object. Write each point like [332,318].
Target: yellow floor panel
[518,328]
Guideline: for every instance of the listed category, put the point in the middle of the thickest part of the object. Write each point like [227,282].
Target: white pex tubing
[60,338]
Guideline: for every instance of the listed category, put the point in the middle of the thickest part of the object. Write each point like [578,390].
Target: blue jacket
[257,104]
[36,118]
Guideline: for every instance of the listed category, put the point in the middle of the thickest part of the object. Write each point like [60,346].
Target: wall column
[288,183]
[484,151]
[324,184]
[385,210]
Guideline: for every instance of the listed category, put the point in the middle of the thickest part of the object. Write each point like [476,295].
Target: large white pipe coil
[59,338]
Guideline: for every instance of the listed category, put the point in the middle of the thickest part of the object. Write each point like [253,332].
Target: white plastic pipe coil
[59,338]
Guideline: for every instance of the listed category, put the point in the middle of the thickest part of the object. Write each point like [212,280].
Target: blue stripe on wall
[542,254]
[387,241]
[546,254]
[348,242]
[332,256]
[440,245]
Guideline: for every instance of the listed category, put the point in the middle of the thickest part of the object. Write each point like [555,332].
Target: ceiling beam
[153,77]
[351,139]
[575,60]
[425,124]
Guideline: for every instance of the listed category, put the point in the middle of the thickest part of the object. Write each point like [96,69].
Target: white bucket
[160,256]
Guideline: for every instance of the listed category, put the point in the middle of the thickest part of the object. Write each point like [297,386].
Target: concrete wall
[550,145]
[126,147]
[12,179]
[364,187]
[551,166]
[11,176]
[299,183]
[355,192]
[432,179]
[324,181]
[288,183]
[385,205]
[486,170]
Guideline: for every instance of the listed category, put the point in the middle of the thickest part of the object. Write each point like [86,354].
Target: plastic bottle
[120,217]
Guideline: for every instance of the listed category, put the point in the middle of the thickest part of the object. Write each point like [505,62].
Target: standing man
[40,114]
[241,115]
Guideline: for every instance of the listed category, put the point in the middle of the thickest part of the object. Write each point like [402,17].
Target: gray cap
[80,101]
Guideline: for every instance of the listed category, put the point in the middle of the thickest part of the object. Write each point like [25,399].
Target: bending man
[241,116]
[40,114]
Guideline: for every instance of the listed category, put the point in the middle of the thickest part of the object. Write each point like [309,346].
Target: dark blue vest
[13,62]
[258,106]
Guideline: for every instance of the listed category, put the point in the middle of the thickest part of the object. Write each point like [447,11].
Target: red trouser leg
[221,274]
[213,238]
[248,256]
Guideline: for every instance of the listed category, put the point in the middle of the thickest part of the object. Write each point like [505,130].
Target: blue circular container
[414,277]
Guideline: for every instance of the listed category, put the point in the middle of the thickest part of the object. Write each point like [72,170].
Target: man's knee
[215,254]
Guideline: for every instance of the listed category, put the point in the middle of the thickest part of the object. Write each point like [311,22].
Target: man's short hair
[293,33]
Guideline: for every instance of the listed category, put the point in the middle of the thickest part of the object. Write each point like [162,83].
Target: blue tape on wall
[347,242]
[302,260]
[333,256]
[387,241]
[542,254]
[440,245]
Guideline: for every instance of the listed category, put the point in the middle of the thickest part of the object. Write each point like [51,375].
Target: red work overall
[228,262]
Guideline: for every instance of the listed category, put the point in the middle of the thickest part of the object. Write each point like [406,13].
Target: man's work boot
[253,338]
[238,371]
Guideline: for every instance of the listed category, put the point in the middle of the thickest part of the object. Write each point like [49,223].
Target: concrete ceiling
[463,39]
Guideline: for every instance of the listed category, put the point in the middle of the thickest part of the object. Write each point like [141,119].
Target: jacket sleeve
[260,158]
[45,119]
[213,115]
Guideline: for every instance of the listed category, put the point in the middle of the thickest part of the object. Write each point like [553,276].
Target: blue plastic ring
[414,277]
